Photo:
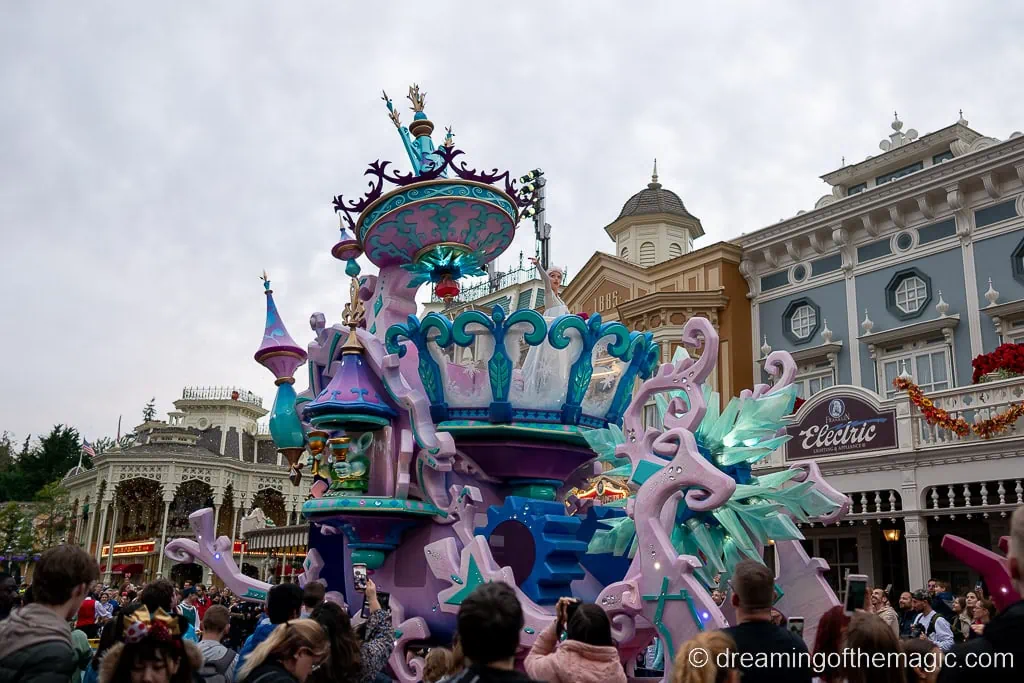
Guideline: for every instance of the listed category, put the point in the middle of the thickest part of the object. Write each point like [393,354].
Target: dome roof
[77,469]
[655,199]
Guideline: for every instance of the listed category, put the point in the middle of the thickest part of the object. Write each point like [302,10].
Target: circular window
[799,273]
[904,241]
[203,423]
[512,546]
[911,294]
[803,322]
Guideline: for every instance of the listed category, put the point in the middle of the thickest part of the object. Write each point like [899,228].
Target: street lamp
[891,536]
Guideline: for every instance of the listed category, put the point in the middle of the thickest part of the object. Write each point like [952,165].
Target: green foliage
[53,514]
[149,412]
[104,443]
[37,465]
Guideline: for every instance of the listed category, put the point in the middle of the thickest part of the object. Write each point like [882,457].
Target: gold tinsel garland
[934,415]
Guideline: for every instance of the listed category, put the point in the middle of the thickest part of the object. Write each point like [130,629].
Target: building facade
[656,281]
[211,452]
[912,266]
[518,287]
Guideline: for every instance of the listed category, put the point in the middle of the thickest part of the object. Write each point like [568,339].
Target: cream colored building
[211,452]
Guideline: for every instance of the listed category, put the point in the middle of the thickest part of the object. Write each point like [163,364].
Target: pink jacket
[572,661]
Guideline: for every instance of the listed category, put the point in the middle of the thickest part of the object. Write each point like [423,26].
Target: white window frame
[811,319]
[910,353]
[919,291]
[809,377]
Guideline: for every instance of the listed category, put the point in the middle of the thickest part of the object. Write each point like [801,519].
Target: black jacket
[49,662]
[270,671]
[1003,636]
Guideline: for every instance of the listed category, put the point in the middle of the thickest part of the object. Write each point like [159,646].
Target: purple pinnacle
[278,352]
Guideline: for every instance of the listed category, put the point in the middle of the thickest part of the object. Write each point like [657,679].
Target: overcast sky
[155,157]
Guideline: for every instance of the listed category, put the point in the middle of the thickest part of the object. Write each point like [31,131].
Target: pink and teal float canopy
[443,221]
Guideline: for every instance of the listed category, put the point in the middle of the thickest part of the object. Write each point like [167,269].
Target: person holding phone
[352,659]
[586,655]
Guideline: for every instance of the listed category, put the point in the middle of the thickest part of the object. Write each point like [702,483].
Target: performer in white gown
[546,369]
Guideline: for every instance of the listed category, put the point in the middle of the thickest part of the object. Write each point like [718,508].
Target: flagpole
[118,430]
[81,452]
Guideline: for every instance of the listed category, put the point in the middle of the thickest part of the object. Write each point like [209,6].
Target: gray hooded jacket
[35,647]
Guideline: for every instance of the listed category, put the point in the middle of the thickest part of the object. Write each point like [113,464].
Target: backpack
[215,670]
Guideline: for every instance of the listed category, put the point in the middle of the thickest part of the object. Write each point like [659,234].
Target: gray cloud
[153,159]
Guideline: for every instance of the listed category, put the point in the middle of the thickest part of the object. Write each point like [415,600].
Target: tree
[56,453]
[149,412]
[11,519]
[7,454]
[52,514]
[102,444]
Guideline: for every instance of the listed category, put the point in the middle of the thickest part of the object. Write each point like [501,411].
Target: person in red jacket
[86,622]
[202,601]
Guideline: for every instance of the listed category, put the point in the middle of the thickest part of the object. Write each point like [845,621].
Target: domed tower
[654,226]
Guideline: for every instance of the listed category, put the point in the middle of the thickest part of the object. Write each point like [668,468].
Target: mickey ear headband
[142,623]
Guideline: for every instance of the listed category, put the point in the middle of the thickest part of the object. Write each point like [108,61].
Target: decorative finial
[842,161]
[905,374]
[278,352]
[449,137]
[867,324]
[826,334]
[897,138]
[765,347]
[962,121]
[353,316]
[392,112]
[654,184]
[941,306]
[416,98]
[992,296]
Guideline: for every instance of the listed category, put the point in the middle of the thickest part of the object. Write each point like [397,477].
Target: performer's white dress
[545,372]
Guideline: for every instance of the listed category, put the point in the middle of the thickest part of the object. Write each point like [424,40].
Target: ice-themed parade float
[510,445]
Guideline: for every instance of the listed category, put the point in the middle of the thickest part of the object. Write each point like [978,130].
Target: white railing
[973,403]
[974,498]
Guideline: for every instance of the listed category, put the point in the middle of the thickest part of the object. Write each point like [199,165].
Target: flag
[87,449]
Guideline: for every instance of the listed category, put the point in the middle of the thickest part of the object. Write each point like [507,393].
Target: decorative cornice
[999,311]
[674,302]
[822,351]
[906,188]
[895,157]
[944,324]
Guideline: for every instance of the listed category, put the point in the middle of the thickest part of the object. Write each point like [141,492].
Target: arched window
[674,250]
[624,253]
[647,254]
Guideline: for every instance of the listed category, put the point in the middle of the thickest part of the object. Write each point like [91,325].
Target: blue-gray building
[912,265]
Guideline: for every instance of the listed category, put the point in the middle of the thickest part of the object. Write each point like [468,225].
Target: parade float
[432,458]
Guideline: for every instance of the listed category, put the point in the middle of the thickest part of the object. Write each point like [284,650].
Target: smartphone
[359,577]
[570,610]
[856,592]
[383,598]
[796,626]
[888,589]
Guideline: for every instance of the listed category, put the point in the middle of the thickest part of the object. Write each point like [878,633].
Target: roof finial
[353,316]
[654,184]
[266,280]
[962,121]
